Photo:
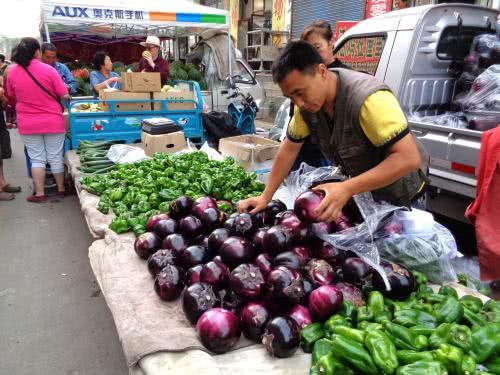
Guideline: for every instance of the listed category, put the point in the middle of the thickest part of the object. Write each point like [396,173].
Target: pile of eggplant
[266,275]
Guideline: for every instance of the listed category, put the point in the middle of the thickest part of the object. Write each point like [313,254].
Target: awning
[119,18]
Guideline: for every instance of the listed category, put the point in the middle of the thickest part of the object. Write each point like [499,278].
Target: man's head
[2,58]
[49,53]
[301,75]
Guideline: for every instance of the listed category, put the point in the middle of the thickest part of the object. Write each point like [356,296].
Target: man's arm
[403,157]
[69,79]
[282,164]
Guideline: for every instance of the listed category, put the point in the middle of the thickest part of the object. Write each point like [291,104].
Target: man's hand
[11,125]
[256,204]
[2,93]
[113,79]
[336,196]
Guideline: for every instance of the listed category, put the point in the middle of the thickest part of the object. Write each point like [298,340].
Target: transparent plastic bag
[420,243]
[125,154]
[278,131]
[485,92]
[454,120]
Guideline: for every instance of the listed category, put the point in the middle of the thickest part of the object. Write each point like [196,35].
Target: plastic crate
[123,126]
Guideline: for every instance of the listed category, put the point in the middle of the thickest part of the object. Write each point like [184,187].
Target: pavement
[53,318]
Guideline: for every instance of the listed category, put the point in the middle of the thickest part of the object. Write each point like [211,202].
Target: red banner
[342,26]
[377,7]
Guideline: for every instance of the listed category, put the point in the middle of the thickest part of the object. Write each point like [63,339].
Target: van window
[362,53]
[454,44]
[242,74]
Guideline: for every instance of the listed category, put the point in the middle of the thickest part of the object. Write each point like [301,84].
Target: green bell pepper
[364,313]
[451,333]
[405,339]
[365,325]
[333,321]
[116,194]
[138,229]
[309,335]
[493,365]
[103,207]
[490,316]
[421,330]
[468,365]
[328,365]
[406,357]
[451,357]
[383,351]
[119,225]
[485,342]
[474,304]
[353,354]
[411,317]
[348,311]
[449,311]
[434,298]
[376,302]
[143,206]
[164,207]
[423,290]
[422,368]
[472,319]
[440,335]
[351,333]
[207,184]
[420,278]
[321,348]
[460,336]
[447,290]
[492,305]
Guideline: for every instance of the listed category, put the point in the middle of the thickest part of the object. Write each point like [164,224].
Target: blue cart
[125,126]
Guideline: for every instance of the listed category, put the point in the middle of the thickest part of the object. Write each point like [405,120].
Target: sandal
[11,189]
[36,198]
[6,196]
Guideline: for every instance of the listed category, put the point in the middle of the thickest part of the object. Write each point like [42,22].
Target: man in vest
[358,125]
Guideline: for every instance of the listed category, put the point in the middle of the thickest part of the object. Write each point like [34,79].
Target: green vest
[346,145]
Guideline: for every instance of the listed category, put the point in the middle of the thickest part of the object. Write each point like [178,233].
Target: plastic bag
[420,243]
[485,92]
[125,154]
[454,120]
[278,131]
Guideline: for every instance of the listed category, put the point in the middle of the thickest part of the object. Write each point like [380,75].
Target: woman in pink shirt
[36,89]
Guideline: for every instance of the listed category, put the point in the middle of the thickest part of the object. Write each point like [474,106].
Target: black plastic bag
[219,125]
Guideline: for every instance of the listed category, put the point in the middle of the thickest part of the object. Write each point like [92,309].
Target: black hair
[48,47]
[297,55]
[2,58]
[25,51]
[322,28]
[98,59]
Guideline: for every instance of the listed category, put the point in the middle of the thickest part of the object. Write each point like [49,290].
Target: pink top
[37,112]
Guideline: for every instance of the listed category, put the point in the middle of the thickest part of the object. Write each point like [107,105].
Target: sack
[219,125]
[5,148]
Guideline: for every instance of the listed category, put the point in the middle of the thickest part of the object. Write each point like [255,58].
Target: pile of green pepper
[135,192]
[429,333]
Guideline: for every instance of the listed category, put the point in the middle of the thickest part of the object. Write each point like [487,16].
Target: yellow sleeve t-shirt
[380,117]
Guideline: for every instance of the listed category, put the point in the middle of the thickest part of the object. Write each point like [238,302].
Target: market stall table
[155,335]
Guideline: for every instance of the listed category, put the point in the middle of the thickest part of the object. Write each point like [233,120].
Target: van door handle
[418,132]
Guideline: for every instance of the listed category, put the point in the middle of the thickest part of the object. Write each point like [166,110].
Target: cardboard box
[110,94]
[141,82]
[254,153]
[167,143]
[174,94]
